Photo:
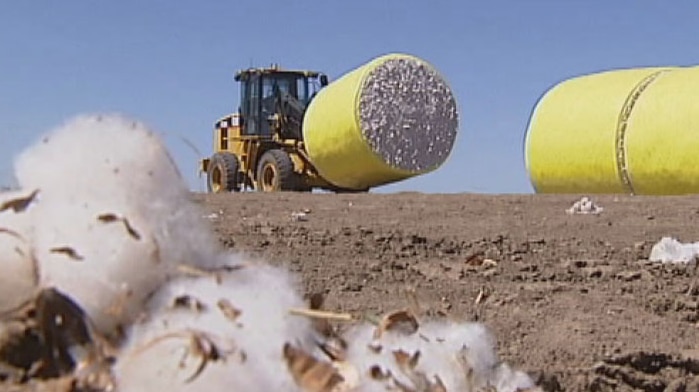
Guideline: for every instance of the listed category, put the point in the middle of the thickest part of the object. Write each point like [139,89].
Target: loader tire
[275,172]
[223,173]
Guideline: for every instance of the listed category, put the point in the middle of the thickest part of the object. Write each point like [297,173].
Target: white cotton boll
[363,358]
[469,341]
[18,272]
[114,217]
[98,158]
[505,379]
[123,163]
[161,354]
[99,265]
[251,344]
[168,362]
[670,250]
[447,351]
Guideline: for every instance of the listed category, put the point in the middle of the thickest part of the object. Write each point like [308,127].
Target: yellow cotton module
[632,131]
[390,119]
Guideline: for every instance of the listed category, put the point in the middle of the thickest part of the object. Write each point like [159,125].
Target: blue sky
[171,63]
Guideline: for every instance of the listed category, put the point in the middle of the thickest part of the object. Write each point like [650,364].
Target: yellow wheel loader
[261,146]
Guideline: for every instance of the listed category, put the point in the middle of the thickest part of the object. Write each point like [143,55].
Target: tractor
[261,146]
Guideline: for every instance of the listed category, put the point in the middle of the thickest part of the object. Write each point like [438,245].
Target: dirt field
[571,299]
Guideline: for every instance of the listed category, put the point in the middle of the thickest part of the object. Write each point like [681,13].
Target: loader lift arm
[291,112]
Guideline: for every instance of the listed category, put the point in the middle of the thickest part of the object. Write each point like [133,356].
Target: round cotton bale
[390,119]
[576,141]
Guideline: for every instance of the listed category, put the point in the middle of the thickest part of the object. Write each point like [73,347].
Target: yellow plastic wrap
[663,137]
[589,134]
[334,140]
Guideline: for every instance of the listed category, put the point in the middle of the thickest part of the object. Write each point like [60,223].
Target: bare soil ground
[571,299]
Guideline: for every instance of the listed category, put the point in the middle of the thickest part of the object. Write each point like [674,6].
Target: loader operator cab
[274,100]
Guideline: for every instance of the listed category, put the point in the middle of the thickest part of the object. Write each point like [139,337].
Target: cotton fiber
[19,276]
[113,215]
[242,315]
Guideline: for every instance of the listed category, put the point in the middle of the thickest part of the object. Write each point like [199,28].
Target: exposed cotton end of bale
[19,277]
[242,315]
[115,215]
[408,114]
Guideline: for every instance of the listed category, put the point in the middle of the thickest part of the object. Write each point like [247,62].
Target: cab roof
[274,69]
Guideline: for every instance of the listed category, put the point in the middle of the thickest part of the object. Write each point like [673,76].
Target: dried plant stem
[320,314]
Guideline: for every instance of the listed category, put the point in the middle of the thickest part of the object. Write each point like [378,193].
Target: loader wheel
[275,172]
[223,173]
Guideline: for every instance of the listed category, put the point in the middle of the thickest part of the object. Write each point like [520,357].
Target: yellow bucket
[632,131]
[390,119]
